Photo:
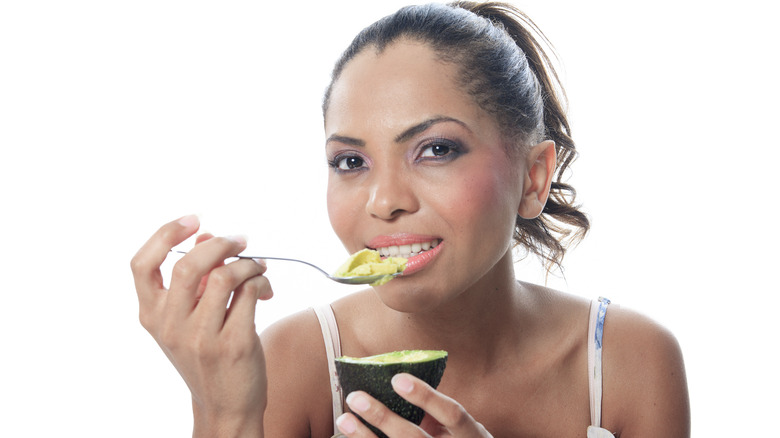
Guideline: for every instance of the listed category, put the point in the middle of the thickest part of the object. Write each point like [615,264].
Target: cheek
[340,211]
[484,198]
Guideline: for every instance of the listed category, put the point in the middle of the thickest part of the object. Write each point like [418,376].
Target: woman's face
[418,170]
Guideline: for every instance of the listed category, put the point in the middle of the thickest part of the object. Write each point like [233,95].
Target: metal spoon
[366,279]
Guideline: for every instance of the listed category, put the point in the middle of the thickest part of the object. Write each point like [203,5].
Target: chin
[407,299]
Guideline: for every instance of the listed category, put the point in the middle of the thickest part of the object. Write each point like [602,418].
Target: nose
[391,195]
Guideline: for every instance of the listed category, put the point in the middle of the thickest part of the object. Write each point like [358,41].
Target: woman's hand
[214,347]
[444,416]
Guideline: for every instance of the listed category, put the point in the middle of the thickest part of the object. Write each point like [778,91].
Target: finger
[445,410]
[147,261]
[212,307]
[349,425]
[202,286]
[431,426]
[380,417]
[203,237]
[244,302]
[188,272]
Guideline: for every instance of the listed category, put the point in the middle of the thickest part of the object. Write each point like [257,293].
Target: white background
[116,117]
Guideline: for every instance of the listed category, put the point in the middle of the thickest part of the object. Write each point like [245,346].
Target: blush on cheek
[481,193]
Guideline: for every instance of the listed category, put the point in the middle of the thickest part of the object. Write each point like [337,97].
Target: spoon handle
[286,260]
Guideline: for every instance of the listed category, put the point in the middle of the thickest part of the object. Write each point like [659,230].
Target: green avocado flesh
[373,374]
[368,262]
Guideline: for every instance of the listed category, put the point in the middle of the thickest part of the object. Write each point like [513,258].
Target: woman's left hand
[444,416]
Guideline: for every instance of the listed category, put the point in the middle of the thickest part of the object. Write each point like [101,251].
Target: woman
[446,143]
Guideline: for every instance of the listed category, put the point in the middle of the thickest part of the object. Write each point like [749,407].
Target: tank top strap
[598,312]
[330,334]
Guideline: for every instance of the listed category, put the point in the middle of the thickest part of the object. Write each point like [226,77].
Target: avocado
[372,374]
[368,262]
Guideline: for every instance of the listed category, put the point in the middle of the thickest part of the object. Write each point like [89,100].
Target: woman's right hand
[215,347]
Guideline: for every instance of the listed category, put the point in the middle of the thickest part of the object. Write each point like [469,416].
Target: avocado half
[373,374]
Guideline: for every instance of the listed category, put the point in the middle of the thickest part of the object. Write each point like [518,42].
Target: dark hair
[505,69]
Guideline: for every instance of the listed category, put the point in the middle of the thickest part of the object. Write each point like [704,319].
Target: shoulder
[299,398]
[291,331]
[645,388]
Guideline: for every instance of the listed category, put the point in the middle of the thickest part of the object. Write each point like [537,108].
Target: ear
[540,167]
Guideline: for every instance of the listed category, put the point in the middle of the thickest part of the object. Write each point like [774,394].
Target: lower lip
[420,261]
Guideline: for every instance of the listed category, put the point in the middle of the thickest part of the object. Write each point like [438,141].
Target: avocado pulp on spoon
[368,262]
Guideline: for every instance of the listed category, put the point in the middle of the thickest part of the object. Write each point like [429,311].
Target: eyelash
[453,151]
[335,163]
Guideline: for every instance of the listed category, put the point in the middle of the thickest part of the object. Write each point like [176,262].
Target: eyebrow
[404,136]
[346,140]
[422,127]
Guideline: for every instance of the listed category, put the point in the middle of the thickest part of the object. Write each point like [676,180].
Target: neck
[480,323]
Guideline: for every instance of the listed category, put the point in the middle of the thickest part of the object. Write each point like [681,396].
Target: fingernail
[357,402]
[402,383]
[239,239]
[346,424]
[189,221]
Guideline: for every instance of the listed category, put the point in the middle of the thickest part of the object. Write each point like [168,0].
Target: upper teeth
[407,251]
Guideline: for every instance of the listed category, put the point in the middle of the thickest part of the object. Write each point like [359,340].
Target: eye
[347,163]
[439,149]
[436,150]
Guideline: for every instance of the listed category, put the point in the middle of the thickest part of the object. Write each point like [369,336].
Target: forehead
[397,87]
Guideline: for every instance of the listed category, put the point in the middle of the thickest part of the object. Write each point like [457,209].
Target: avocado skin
[374,379]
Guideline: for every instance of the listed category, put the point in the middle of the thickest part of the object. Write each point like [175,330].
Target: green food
[372,374]
[368,262]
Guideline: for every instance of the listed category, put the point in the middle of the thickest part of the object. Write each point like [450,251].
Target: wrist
[215,425]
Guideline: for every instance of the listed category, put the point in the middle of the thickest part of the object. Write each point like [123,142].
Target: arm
[299,398]
[645,387]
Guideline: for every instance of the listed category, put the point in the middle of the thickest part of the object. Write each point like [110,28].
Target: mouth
[418,251]
[408,251]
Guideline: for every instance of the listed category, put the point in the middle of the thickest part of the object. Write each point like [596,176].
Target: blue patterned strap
[598,311]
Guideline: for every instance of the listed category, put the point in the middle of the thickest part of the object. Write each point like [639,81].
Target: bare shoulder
[299,398]
[645,387]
